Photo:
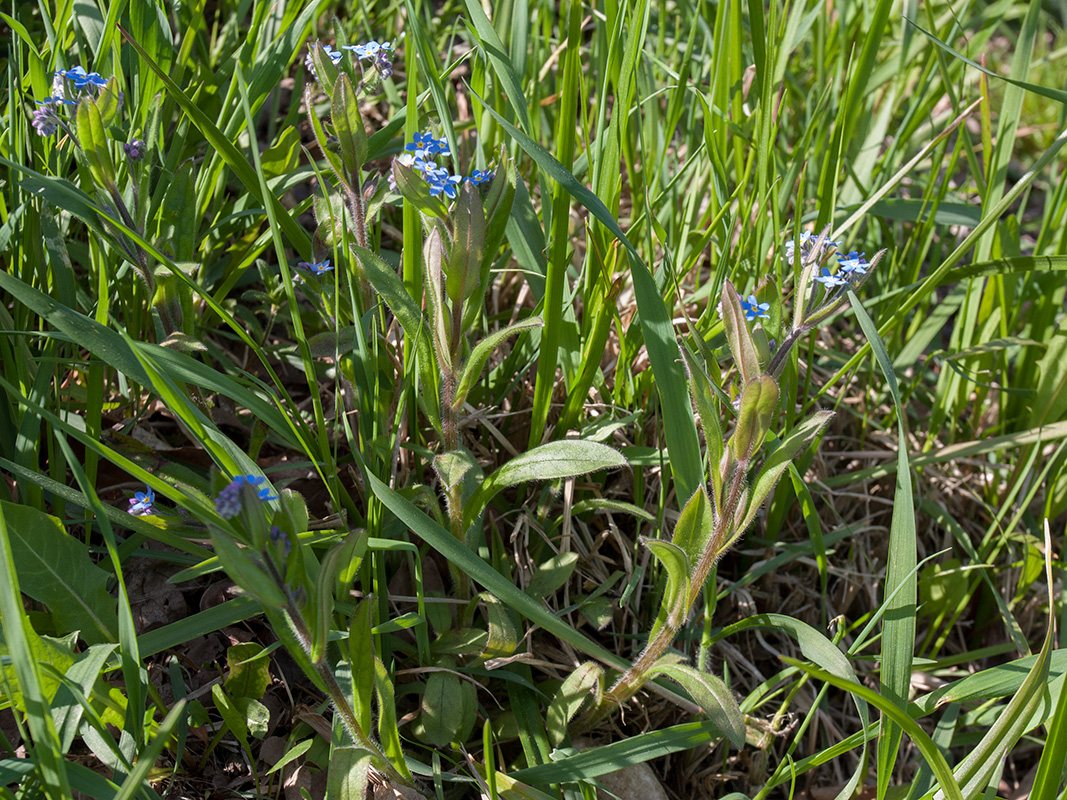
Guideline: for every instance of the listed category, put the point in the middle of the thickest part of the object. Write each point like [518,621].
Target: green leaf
[695,526]
[442,702]
[706,401]
[387,727]
[503,634]
[245,572]
[177,221]
[674,606]
[1050,404]
[249,670]
[348,774]
[94,142]
[929,751]
[414,189]
[778,461]
[898,627]
[712,695]
[464,272]
[551,574]
[322,138]
[256,715]
[758,401]
[348,123]
[361,661]
[472,370]
[738,335]
[584,684]
[562,459]
[54,568]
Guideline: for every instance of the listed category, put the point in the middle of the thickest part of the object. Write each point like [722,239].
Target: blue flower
[82,79]
[54,101]
[440,181]
[853,263]
[228,503]
[480,176]
[371,49]
[141,502]
[830,281]
[754,309]
[425,143]
[318,267]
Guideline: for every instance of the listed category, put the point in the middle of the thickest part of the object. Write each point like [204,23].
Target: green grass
[507,436]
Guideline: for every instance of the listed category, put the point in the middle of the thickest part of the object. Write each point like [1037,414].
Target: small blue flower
[318,267]
[853,263]
[371,49]
[82,79]
[830,281]
[479,176]
[440,181]
[754,309]
[141,502]
[54,101]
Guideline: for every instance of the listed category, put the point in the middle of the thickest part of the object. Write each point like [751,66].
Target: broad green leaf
[249,670]
[472,370]
[54,568]
[464,272]
[712,695]
[177,221]
[349,773]
[778,461]
[503,634]
[551,574]
[759,397]
[56,653]
[442,702]
[1051,401]
[256,715]
[562,459]
[695,526]
[415,190]
[585,683]
[738,335]
[291,754]
[674,605]
[361,662]
[240,566]
[94,142]
[348,123]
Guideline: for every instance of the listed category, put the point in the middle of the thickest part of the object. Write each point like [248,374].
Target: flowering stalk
[716,516]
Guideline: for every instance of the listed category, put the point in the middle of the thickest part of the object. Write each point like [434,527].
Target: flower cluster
[817,250]
[228,503]
[375,52]
[134,150]
[420,155]
[66,84]
[141,502]
[849,267]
